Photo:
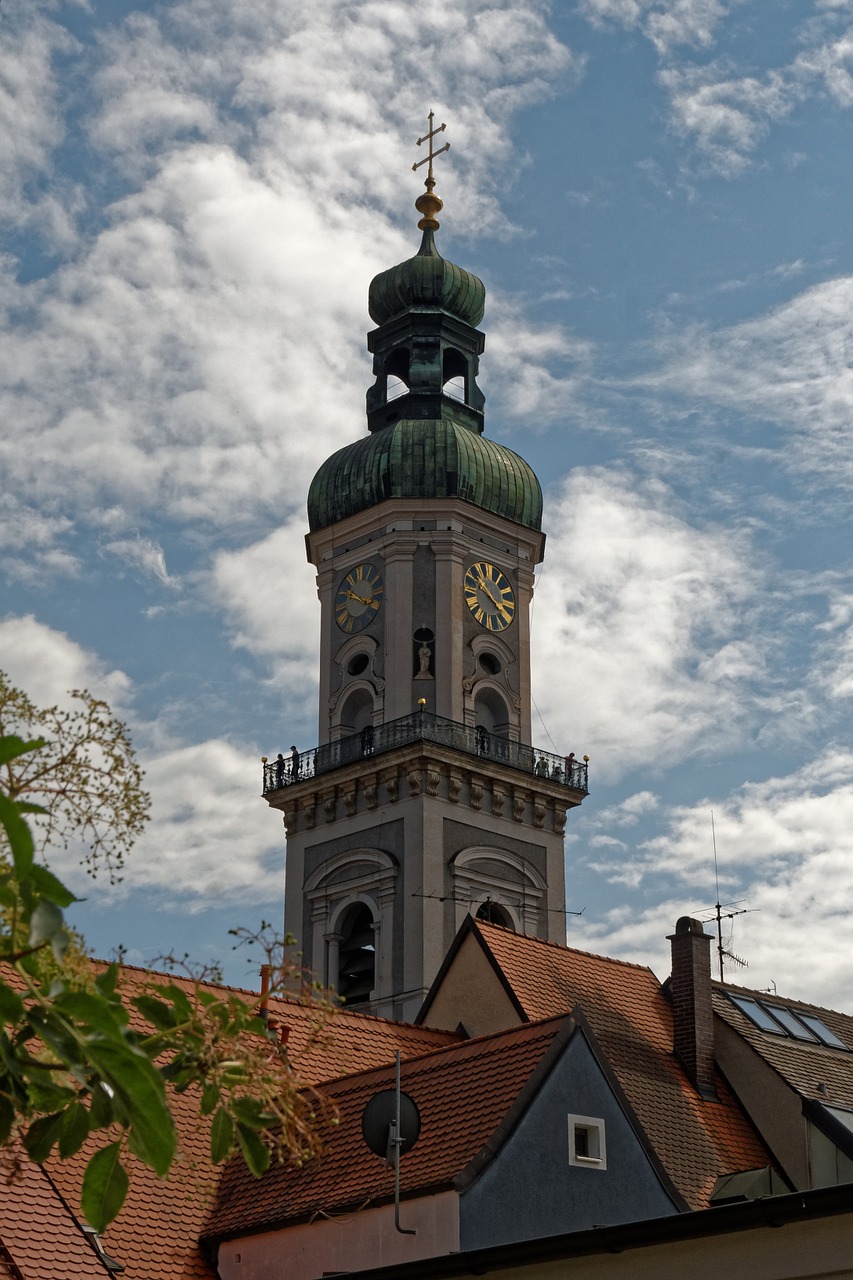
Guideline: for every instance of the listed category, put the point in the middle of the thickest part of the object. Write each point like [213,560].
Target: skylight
[782,1021]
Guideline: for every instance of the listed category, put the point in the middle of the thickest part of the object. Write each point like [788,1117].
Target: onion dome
[424,460]
[427,280]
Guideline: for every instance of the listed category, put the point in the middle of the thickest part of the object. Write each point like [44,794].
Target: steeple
[425,409]
[424,799]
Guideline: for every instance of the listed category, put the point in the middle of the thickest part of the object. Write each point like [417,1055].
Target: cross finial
[430,204]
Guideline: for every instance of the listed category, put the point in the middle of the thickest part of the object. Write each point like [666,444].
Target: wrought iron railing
[422,726]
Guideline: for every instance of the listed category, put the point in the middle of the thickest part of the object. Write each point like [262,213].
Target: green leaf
[41,1135]
[11,1004]
[48,886]
[55,1033]
[75,1130]
[250,1112]
[11,747]
[20,836]
[221,1136]
[7,1118]
[210,1099]
[45,923]
[47,1095]
[181,1001]
[157,1012]
[93,1011]
[27,806]
[255,1154]
[105,1186]
[106,982]
[101,1111]
[138,1090]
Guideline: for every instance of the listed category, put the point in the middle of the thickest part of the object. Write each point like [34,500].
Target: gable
[470,990]
[535,1185]
[695,1139]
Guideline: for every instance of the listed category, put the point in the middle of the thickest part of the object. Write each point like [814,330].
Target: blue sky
[657,194]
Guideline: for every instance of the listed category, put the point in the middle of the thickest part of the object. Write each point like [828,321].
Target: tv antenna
[391,1125]
[720,915]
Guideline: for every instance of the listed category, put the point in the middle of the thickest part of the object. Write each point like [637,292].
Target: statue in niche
[424,655]
[423,639]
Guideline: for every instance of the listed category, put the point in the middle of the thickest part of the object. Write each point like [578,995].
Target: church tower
[424,799]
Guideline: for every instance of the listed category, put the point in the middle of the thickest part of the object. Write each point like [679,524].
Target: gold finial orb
[422,703]
[429,204]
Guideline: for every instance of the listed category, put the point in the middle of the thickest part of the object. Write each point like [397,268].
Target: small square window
[586,1142]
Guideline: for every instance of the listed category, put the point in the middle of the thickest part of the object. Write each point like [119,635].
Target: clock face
[489,596]
[359,598]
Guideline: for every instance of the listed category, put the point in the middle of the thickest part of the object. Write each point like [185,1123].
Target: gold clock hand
[368,600]
[497,603]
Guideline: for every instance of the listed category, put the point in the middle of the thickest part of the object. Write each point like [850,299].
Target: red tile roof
[155,1236]
[462,1093]
[695,1140]
[39,1235]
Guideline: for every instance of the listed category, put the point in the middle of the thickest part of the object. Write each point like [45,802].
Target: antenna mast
[718,906]
[718,911]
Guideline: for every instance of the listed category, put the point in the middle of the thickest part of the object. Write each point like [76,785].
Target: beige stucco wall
[776,1110]
[472,994]
[815,1250]
[350,1242]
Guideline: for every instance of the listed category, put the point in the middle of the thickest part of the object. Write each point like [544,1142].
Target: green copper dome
[427,280]
[434,459]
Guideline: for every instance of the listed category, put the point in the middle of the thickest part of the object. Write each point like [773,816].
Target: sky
[657,195]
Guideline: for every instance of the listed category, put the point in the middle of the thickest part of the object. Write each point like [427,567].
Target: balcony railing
[422,726]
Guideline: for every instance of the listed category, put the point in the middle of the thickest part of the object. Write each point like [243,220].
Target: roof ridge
[561,946]
[725,987]
[278,997]
[535,1025]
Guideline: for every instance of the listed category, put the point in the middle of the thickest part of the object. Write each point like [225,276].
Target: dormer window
[780,1020]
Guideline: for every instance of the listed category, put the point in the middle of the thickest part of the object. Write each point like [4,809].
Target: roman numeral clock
[489,596]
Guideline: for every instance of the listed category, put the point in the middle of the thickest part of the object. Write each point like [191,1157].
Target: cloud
[209,834]
[727,116]
[790,367]
[267,595]
[534,370]
[47,664]
[723,107]
[785,854]
[178,364]
[645,645]
[31,125]
[210,838]
[835,669]
[144,554]
[666,23]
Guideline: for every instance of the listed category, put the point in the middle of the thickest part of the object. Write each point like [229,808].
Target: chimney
[692,1015]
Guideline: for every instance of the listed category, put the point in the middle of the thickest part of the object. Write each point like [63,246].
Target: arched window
[491,712]
[453,374]
[494,913]
[356,955]
[397,371]
[357,712]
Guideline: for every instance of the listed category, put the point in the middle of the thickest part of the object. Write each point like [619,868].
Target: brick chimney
[692,1015]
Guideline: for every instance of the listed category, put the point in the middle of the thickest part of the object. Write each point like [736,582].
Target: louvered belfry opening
[357,956]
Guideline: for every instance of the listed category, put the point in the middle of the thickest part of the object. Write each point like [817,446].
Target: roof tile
[696,1140]
[462,1092]
[157,1231]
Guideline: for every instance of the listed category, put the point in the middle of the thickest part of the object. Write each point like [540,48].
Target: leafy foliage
[80,1061]
[82,775]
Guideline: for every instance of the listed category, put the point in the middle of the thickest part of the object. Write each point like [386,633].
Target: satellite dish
[378,1123]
